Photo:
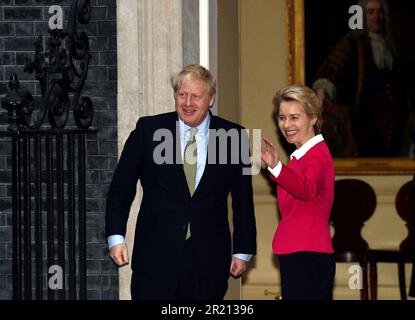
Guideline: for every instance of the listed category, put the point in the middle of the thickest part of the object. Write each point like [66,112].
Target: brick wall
[20,22]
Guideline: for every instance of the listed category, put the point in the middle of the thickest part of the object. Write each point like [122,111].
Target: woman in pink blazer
[305,191]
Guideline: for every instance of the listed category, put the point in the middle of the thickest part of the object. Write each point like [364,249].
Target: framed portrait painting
[360,59]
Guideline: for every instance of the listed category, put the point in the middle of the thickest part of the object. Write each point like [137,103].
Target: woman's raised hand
[269,154]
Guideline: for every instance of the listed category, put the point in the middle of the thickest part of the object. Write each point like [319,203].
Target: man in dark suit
[182,245]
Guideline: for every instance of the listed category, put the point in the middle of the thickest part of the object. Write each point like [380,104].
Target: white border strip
[204,33]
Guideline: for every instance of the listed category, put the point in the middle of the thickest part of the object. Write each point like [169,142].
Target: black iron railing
[48,165]
[48,213]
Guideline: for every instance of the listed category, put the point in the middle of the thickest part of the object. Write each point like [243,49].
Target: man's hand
[119,254]
[238,266]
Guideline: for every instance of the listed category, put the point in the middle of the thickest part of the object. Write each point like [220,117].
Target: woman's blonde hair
[311,103]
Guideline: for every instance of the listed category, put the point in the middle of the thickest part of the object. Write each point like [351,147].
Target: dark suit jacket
[167,206]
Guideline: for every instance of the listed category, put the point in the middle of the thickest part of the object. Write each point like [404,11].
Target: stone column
[149,51]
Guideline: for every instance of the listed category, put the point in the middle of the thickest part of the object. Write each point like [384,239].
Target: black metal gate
[48,213]
[48,165]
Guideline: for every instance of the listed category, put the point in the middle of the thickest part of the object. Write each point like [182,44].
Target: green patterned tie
[189,166]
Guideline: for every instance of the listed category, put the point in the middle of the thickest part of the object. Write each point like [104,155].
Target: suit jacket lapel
[203,185]
[172,176]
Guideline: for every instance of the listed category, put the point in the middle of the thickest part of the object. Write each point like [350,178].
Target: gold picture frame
[296,74]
